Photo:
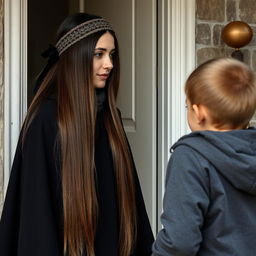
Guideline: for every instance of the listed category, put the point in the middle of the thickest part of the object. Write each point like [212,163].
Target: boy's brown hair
[227,87]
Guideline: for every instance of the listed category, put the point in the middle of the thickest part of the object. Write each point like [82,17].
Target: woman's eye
[112,55]
[98,54]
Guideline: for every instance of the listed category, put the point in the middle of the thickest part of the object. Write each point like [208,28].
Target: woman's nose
[108,63]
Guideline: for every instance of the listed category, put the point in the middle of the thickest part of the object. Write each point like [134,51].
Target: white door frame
[176,58]
[15,77]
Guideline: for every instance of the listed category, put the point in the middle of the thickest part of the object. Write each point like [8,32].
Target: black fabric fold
[32,218]
[53,56]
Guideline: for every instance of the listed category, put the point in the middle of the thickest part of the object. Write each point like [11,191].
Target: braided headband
[81,31]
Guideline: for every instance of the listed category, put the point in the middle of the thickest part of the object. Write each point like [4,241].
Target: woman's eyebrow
[101,49]
[104,49]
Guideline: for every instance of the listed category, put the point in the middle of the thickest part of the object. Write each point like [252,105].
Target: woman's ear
[200,113]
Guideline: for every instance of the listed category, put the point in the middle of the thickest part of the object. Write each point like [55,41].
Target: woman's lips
[103,76]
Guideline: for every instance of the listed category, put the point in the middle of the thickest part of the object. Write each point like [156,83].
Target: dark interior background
[44,18]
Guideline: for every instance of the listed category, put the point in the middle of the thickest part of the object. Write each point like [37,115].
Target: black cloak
[32,217]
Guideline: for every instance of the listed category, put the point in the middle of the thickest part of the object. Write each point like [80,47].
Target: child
[210,198]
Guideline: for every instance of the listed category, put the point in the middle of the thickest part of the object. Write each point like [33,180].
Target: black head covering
[52,54]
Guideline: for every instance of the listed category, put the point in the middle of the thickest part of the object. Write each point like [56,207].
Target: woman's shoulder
[47,111]
[45,118]
[43,128]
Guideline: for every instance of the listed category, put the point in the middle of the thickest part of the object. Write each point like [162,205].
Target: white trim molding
[130,121]
[15,77]
[182,62]
[176,59]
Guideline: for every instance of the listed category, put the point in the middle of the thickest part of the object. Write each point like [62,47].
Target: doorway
[135,26]
[170,35]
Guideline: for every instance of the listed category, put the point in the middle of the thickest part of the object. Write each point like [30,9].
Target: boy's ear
[200,112]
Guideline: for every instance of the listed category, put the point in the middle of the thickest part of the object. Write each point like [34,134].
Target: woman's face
[103,60]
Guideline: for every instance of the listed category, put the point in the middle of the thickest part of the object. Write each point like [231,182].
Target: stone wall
[211,17]
[1,108]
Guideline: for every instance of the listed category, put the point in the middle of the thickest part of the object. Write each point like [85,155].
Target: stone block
[228,51]
[208,53]
[203,34]
[247,11]
[211,10]
[246,54]
[231,11]
[217,41]
[253,41]
[254,60]
[1,77]
[1,38]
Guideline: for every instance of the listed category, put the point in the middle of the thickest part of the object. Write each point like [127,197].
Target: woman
[73,188]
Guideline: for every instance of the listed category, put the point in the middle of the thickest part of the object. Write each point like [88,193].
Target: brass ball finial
[237,34]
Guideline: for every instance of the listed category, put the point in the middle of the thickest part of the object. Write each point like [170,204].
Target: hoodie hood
[232,153]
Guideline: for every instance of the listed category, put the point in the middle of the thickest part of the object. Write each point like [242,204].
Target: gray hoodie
[210,196]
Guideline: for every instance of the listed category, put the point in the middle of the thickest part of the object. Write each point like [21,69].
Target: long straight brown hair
[75,93]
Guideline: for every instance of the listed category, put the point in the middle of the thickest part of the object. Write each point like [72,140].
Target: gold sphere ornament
[237,34]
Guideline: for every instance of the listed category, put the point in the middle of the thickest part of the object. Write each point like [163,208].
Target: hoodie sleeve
[185,204]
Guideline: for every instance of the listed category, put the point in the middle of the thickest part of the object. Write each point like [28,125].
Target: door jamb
[176,59]
[15,77]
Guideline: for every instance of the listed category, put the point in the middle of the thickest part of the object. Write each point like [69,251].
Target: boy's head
[221,95]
